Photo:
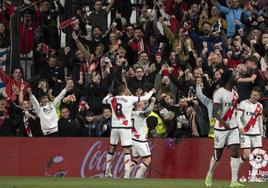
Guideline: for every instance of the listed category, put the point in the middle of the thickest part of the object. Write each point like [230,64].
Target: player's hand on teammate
[242,131]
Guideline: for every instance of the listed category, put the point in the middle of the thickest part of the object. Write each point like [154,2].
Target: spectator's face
[172,57]
[107,113]
[130,31]
[206,28]
[79,55]
[165,80]
[98,6]
[52,62]
[143,58]
[265,39]
[121,52]
[197,73]
[25,105]
[70,83]
[229,3]
[168,100]
[182,103]
[199,62]
[2,28]
[2,104]
[45,6]
[27,19]
[250,65]
[65,113]
[138,34]
[255,96]
[99,51]
[112,38]
[17,75]
[194,8]
[217,75]
[139,73]
[214,11]
[235,3]
[131,72]
[97,33]
[44,100]
[138,92]
[180,33]
[256,34]
[96,78]
[215,59]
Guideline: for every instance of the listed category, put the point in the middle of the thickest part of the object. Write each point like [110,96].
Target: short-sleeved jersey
[228,101]
[122,107]
[139,131]
[247,111]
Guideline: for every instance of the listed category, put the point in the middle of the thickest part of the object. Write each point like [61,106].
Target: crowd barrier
[85,157]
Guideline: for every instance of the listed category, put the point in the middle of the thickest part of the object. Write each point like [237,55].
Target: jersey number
[118,110]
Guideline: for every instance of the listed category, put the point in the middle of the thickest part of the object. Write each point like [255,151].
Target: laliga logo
[258,159]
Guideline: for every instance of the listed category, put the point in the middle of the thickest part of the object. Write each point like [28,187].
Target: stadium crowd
[173,46]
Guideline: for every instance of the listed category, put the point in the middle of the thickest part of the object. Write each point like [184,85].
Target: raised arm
[147,96]
[222,9]
[58,99]
[81,47]
[105,99]
[4,76]
[108,8]
[150,108]
[34,101]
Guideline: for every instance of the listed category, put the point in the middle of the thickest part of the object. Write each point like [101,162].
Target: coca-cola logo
[93,164]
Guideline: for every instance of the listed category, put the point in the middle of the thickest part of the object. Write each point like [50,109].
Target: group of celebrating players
[236,125]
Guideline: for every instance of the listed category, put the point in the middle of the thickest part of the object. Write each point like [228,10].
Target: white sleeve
[203,98]
[134,99]
[106,100]
[239,115]
[218,95]
[260,122]
[36,104]
[58,99]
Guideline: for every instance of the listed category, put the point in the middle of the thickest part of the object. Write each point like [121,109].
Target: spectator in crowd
[173,45]
[98,17]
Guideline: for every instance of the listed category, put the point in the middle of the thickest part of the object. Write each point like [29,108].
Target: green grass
[43,182]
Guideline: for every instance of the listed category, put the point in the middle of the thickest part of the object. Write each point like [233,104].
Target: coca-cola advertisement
[86,157]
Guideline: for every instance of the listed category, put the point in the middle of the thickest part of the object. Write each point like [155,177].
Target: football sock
[141,170]
[109,159]
[127,164]
[234,168]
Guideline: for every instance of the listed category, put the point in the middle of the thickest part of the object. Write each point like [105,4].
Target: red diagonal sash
[229,113]
[253,119]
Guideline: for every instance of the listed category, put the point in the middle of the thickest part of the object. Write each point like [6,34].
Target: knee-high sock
[212,166]
[140,172]
[109,159]
[133,164]
[234,168]
[127,164]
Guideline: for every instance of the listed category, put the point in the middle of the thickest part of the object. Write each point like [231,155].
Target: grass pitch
[44,182]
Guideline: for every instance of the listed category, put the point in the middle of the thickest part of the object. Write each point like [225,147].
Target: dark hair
[257,89]
[42,94]
[96,26]
[225,77]
[252,58]
[15,68]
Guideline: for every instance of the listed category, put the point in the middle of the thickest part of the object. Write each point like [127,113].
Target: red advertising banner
[85,157]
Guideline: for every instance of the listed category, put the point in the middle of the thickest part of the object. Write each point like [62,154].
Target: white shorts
[226,137]
[122,135]
[248,142]
[140,149]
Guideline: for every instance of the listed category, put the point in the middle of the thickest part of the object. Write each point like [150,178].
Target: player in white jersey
[226,131]
[250,122]
[122,106]
[140,147]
